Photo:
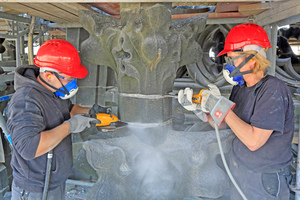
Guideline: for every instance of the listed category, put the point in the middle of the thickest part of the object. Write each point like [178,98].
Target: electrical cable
[225,163]
[48,172]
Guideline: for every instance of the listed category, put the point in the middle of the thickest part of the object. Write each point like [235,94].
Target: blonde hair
[261,62]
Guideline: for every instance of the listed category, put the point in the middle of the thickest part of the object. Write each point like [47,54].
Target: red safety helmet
[245,34]
[62,56]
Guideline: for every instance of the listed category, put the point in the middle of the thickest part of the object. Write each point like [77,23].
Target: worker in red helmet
[259,111]
[41,117]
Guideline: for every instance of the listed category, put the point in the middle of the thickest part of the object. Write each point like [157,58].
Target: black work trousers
[21,194]
[262,186]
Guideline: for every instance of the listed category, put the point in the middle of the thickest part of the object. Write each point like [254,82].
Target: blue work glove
[79,122]
[98,109]
[185,99]
[218,106]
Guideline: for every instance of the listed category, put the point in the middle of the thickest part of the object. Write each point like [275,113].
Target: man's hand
[185,99]
[79,122]
[99,109]
[212,102]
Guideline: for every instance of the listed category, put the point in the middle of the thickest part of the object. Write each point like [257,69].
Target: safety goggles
[231,61]
[62,77]
[65,78]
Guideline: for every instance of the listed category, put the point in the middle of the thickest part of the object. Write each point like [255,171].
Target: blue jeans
[20,194]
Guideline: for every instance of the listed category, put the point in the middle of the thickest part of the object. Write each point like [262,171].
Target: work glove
[218,106]
[79,122]
[98,109]
[185,99]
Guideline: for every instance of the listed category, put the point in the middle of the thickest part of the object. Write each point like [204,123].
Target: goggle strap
[232,74]
[239,56]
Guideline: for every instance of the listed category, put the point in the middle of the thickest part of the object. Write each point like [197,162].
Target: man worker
[41,117]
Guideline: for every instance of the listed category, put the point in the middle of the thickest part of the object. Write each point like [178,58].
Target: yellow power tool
[109,122]
[198,97]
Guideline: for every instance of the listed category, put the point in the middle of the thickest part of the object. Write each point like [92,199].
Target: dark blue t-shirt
[266,105]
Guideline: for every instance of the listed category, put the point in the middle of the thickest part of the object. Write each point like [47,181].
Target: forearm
[78,110]
[51,138]
[221,126]
[251,136]
[241,129]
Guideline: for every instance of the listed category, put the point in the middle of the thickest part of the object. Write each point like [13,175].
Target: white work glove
[79,122]
[185,99]
[212,102]
[201,115]
[213,90]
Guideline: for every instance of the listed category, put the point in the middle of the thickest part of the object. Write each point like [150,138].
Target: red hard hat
[62,56]
[245,34]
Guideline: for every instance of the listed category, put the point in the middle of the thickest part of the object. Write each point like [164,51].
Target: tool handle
[198,97]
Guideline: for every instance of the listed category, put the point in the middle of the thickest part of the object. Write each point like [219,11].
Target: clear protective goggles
[65,78]
[231,61]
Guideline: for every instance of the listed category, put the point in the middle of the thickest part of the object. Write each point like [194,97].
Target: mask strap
[233,73]
[242,73]
[64,92]
[238,73]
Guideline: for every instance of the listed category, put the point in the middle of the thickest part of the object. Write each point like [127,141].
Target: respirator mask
[232,73]
[67,91]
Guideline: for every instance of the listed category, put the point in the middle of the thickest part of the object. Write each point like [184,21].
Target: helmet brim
[80,73]
[223,52]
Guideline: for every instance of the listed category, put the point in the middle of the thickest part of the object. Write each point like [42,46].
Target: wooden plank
[280,12]
[67,8]
[57,32]
[33,12]
[3,23]
[73,7]
[211,15]
[11,11]
[189,11]
[188,3]
[51,9]
[230,6]
[255,9]
[77,6]
[109,8]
